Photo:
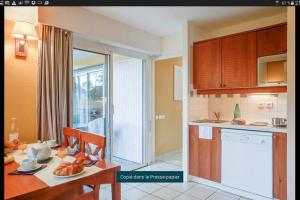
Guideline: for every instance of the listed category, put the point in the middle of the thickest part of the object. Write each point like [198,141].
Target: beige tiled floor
[168,191]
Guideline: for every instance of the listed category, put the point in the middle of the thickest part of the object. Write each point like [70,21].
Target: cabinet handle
[224,85]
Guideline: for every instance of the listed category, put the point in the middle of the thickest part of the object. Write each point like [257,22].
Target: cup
[28,164]
[51,143]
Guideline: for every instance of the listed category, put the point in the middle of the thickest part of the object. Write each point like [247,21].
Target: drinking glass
[61,153]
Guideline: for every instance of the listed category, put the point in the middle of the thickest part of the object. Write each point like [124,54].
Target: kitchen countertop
[268,128]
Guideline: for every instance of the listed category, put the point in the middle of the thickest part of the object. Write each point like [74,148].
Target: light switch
[162,117]
[269,105]
[260,105]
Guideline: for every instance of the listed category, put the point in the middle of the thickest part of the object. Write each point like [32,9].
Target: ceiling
[162,21]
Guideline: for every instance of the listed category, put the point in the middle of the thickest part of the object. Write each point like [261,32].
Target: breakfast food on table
[9,146]
[22,147]
[81,157]
[8,150]
[16,142]
[8,159]
[67,169]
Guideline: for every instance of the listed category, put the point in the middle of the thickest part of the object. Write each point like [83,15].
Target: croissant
[81,157]
[67,169]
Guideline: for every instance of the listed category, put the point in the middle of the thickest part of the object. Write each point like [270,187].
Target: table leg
[116,191]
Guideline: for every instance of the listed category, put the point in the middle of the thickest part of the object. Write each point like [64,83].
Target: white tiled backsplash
[198,107]
[254,107]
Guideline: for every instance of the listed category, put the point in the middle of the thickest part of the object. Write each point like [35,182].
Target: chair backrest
[90,138]
[70,133]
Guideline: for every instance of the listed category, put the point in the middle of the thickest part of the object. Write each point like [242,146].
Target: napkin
[72,151]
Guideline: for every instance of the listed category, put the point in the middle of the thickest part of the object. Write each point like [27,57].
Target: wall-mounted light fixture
[22,32]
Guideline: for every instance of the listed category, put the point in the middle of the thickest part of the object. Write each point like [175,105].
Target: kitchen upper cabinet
[205,155]
[239,61]
[272,41]
[207,64]
[228,64]
[280,165]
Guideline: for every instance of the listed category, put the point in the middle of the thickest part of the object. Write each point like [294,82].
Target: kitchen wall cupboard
[230,62]
[272,41]
[207,59]
[280,165]
[239,61]
[205,155]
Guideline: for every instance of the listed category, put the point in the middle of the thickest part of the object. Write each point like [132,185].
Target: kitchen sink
[210,121]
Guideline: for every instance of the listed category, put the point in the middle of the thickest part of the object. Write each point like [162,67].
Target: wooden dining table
[31,187]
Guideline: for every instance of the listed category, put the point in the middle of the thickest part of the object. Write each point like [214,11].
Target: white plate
[51,146]
[20,169]
[259,124]
[43,159]
[22,152]
[69,175]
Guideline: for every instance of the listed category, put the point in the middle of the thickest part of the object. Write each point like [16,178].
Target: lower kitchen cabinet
[205,159]
[280,165]
[193,151]
[205,155]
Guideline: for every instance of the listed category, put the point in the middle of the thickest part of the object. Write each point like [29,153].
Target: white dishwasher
[247,162]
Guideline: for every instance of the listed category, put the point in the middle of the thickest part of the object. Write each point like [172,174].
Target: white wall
[171,46]
[291,140]
[27,14]
[245,26]
[105,30]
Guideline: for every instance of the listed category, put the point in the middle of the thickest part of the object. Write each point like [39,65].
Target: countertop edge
[242,127]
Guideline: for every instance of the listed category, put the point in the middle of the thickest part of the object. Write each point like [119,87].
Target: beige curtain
[54,83]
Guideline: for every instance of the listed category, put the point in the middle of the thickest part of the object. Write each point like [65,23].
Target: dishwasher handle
[244,138]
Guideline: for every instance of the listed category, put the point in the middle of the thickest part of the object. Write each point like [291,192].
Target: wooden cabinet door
[280,165]
[238,60]
[207,64]
[210,157]
[215,173]
[193,151]
[204,158]
[272,41]
[205,155]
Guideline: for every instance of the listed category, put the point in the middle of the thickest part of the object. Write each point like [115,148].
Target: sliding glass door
[90,91]
[109,100]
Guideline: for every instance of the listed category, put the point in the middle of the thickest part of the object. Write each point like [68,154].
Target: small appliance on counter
[279,122]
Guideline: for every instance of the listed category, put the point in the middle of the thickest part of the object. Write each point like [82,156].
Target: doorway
[109,99]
